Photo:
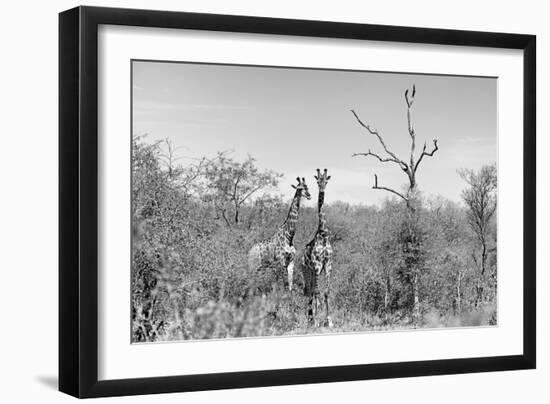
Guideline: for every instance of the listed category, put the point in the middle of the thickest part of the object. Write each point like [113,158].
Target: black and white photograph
[274,201]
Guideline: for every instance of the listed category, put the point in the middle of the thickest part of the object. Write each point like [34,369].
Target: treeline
[194,223]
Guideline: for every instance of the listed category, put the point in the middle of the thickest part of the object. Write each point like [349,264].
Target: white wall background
[28,199]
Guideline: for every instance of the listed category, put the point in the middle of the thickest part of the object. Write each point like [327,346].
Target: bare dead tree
[410,168]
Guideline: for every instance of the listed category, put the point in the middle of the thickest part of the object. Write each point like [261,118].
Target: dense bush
[190,278]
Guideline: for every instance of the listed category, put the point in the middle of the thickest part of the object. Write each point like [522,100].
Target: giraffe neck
[322,229]
[321,200]
[289,226]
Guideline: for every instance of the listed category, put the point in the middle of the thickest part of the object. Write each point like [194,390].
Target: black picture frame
[78,201]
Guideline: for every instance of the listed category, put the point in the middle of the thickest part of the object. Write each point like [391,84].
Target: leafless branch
[169,157]
[250,194]
[411,99]
[425,153]
[388,189]
[413,164]
[410,127]
[197,170]
[374,132]
[226,219]
[382,160]
[236,188]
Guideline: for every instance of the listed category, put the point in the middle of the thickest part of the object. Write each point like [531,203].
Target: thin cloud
[164,106]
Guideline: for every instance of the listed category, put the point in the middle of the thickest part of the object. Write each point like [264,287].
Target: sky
[296,120]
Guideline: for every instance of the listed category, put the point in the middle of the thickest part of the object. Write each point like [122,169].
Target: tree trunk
[479,293]
[458,293]
[414,240]
[482,269]
[225,219]
[416,301]
[387,293]
[483,257]
[481,280]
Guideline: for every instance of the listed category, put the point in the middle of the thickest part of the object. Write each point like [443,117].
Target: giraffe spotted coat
[278,250]
[317,262]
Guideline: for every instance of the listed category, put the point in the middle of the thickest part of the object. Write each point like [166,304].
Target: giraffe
[279,250]
[317,259]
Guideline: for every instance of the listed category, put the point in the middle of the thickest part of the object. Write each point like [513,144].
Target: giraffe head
[322,179]
[301,188]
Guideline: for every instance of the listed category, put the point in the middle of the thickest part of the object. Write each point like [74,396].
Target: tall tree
[481,202]
[410,234]
[232,183]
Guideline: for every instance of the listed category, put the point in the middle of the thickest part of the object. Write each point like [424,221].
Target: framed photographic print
[251,201]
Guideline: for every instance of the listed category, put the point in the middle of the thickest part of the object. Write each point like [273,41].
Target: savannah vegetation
[412,262]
